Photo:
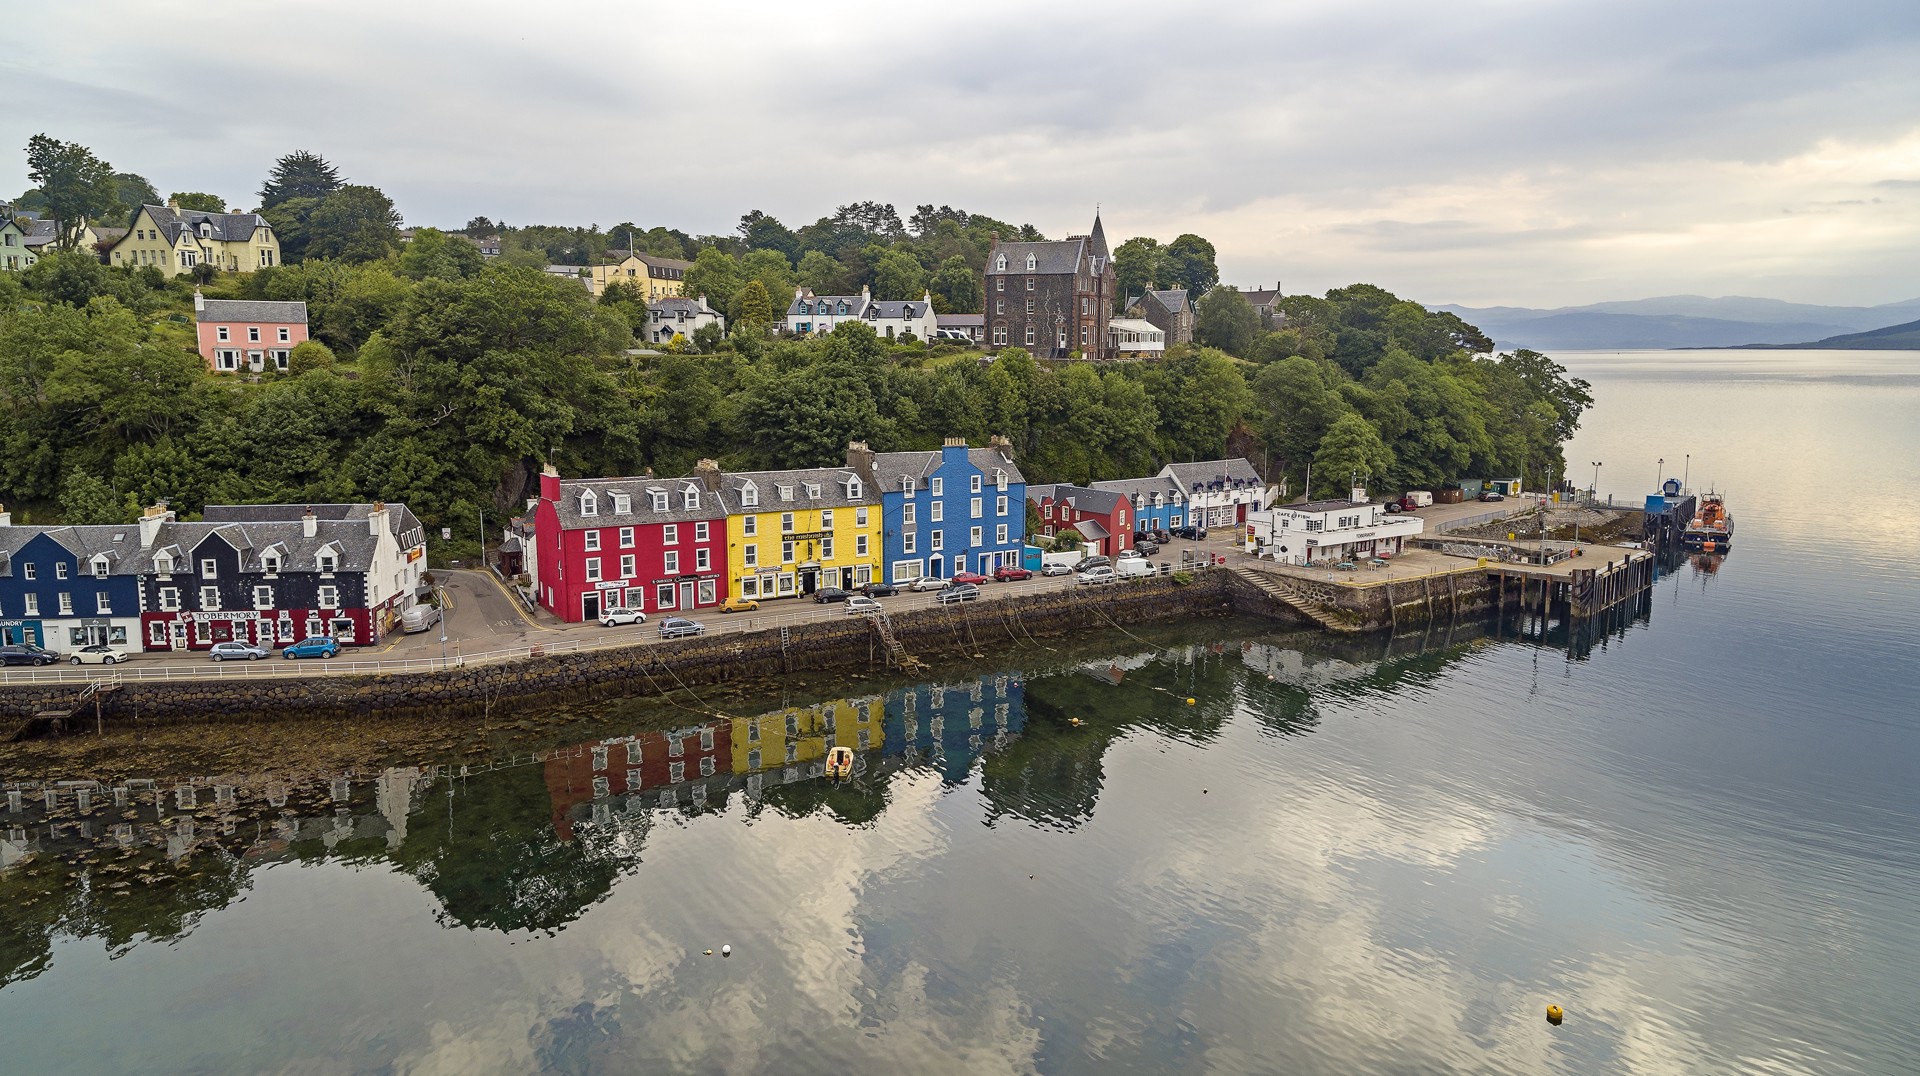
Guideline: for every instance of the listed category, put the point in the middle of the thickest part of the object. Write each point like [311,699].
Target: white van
[1134,567]
[419,618]
[1064,558]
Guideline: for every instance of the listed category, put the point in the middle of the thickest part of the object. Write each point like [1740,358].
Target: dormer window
[100,567]
[853,489]
[659,499]
[589,504]
[786,493]
[906,483]
[270,564]
[1000,263]
[163,564]
[622,504]
[1000,480]
[813,491]
[206,230]
[328,563]
[690,498]
[1032,263]
[749,495]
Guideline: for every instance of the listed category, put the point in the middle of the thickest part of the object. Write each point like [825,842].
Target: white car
[928,582]
[1095,576]
[1130,554]
[1056,569]
[861,605]
[98,654]
[622,616]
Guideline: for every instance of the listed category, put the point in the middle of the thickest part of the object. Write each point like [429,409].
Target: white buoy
[726,950]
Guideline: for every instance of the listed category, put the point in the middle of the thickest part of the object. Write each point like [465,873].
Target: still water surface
[1697,836]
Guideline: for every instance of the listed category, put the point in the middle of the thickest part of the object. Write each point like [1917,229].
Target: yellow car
[739,605]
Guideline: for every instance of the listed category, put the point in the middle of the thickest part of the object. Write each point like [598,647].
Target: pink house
[247,334]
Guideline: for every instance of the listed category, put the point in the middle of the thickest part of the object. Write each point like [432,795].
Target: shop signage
[207,618]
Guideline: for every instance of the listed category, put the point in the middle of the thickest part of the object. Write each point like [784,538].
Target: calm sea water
[1697,837]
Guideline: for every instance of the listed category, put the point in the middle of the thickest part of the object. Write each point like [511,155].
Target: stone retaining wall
[848,645]
[1380,607]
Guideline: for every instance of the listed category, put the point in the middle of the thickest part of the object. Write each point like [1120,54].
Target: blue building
[952,725]
[957,509]
[1158,503]
[67,587]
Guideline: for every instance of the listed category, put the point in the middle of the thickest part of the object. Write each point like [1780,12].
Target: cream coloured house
[175,240]
[656,277]
[15,255]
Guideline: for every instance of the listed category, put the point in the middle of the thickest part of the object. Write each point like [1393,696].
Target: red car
[1008,572]
[969,577]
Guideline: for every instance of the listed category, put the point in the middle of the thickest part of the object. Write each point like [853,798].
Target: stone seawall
[1385,606]
[849,645]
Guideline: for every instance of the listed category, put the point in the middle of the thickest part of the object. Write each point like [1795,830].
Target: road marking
[515,603]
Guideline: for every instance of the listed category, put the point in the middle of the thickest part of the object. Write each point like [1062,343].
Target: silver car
[236,650]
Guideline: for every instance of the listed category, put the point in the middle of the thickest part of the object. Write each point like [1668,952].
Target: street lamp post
[1686,473]
[1595,490]
[1663,474]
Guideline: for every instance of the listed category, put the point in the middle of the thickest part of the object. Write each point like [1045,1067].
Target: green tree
[1138,264]
[762,232]
[308,356]
[86,499]
[73,277]
[1199,396]
[445,255]
[75,184]
[1352,450]
[752,310]
[299,174]
[1190,262]
[714,274]
[823,273]
[1295,402]
[133,191]
[958,288]
[772,269]
[289,220]
[353,224]
[198,200]
[1224,319]
[897,276]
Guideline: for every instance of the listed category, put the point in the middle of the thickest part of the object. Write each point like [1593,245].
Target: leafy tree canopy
[299,174]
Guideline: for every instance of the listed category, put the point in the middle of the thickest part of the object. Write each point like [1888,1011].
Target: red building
[658,545]
[643,765]
[1103,517]
[244,334]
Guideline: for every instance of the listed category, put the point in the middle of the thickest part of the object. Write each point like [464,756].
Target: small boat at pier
[1711,529]
[840,763]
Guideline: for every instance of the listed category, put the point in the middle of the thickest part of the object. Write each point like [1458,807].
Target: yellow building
[657,278]
[802,735]
[175,240]
[791,533]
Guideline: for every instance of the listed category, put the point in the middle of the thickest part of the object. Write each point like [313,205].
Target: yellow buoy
[1554,1014]
[1189,702]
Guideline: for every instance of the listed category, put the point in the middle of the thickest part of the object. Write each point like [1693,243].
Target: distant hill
[1892,338]
[1679,321]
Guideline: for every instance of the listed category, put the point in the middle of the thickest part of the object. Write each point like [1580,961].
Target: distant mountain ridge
[1681,321]
[1905,337]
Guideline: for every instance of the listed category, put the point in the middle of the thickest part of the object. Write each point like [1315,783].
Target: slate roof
[890,467]
[1054,256]
[1085,499]
[228,310]
[119,541]
[351,540]
[1145,487]
[856,305]
[640,511]
[227,227]
[960,321]
[1172,300]
[1261,297]
[406,526]
[43,231]
[1192,475]
[895,310]
[693,307]
[831,480]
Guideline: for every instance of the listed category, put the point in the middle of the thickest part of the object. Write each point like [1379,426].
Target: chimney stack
[6,517]
[199,301]
[860,461]
[708,472]
[151,521]
[1001,445]
[309,523]
[377,518]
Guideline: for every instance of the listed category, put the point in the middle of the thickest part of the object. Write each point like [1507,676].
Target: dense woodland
[442,380]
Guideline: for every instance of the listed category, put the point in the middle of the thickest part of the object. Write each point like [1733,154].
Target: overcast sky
[1522,152]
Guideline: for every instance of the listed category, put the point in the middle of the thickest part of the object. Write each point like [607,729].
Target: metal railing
[647,634]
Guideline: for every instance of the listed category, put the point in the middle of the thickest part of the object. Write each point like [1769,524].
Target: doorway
[686,595]
[590,605]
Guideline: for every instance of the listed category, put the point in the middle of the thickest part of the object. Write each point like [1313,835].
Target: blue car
[318,646]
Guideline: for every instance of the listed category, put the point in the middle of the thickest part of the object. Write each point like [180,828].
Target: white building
[889,319]
[1136,338]
[668,318]
[1219,493]
[1329,531]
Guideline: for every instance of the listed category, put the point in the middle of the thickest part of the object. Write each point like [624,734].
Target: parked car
[1056,568]
[1191,533]
[315,646]
[1147,548]
[26,654]
[861,605]
[98,654]
[970,577]
[877,589]
[1092,562]
[829,595]
[1096,575]
[1493,495]
[674,627]
[419,618]
[619,615]
[928,582]
[739,605]
[234,649]
[1007,573]
[1130,554]
[958,592]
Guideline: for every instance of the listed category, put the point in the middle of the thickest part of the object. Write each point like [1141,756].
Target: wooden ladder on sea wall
[58,719]
[897,655]
[1281,590]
